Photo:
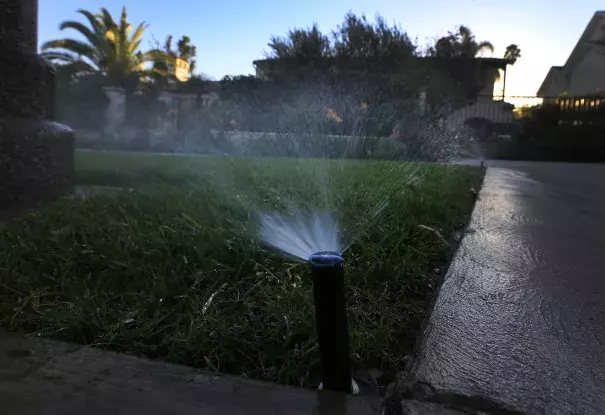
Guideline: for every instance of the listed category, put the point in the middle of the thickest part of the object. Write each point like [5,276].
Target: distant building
[584,72]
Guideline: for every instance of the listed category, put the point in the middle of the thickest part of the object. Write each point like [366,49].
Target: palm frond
[107,19]
[99,28]
[157,55]
[485,46]
[137,36]
[53,55]
[71,45]
[79,66]
[90,35]
[133,46]
[123,50]
[93,20]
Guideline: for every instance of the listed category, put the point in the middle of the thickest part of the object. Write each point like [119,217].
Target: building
[584,72]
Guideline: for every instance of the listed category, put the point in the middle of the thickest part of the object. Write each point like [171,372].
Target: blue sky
[230,34]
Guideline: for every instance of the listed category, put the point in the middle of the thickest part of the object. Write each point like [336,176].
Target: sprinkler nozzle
[327,270]
[326,259]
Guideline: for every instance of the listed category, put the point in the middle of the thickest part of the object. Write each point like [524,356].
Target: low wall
[36,161]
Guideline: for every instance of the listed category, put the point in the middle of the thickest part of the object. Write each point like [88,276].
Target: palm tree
[468,46]
[185,50]
[512,53]
[461,44]
[109,48]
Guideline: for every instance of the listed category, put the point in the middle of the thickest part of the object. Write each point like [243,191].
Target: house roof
[552,74]
[583,46]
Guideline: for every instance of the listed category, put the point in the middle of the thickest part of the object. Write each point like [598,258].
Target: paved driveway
[520,318]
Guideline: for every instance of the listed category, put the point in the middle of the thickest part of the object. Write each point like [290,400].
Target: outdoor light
[327,270]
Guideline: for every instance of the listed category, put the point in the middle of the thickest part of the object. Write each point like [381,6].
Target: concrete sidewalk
[45,377]
[519,322]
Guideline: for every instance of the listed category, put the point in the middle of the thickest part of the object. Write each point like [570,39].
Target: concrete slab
[520,318]
[45,377]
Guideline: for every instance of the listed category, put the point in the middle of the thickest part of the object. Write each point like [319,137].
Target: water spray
[327,271]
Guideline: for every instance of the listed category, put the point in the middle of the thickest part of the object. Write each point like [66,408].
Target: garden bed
[160,269]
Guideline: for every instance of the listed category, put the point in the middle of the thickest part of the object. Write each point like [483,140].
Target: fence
[517,108]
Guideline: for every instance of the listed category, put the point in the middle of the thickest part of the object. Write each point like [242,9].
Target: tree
[187,51]
[512,53]
[109,48]
[355,38]
[359,38]
[459,44]
[301,43]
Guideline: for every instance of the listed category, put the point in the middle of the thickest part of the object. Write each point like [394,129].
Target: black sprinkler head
[327,270]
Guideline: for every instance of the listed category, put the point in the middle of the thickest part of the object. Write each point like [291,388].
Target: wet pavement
[520,318]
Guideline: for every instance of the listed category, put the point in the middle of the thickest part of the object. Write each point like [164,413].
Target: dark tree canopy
[359,38]
[459,44]
[301,43]
[355,38]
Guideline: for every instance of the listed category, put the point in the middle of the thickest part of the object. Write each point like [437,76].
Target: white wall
[557,85]
[589,76]
[494,111]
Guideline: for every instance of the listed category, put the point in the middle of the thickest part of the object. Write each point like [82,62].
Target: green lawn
[168,268]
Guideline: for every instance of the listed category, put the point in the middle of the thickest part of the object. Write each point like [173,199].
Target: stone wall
[36,153]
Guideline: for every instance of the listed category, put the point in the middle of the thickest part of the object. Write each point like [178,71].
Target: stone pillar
[186,110]
[115,112]
[36,153]
[170,124]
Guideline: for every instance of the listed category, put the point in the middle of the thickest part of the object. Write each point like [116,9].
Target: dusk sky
[230,34]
